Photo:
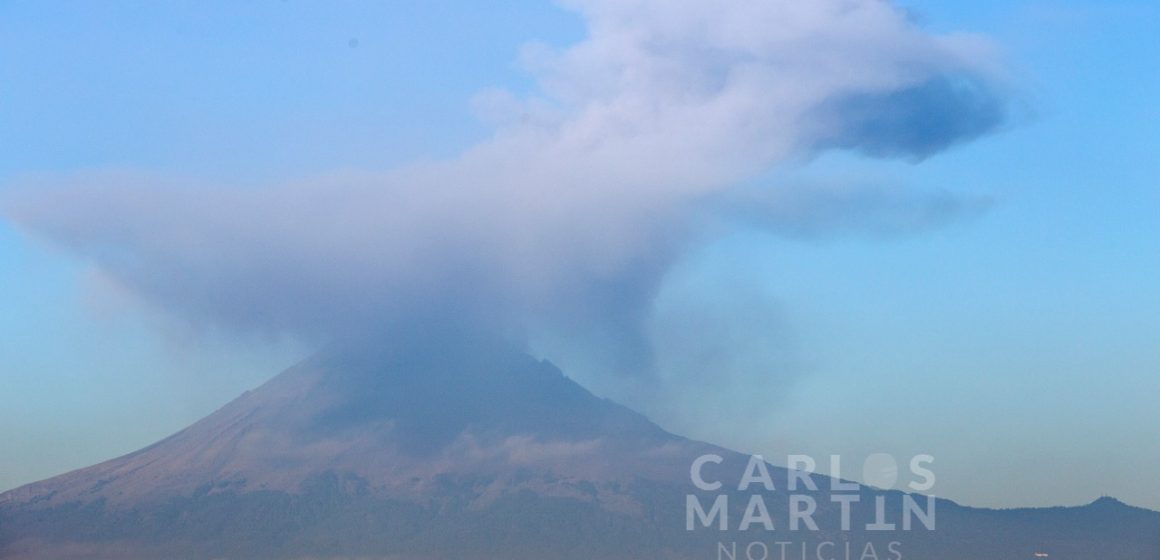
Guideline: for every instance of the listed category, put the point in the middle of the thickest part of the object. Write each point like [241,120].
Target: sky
[986,295]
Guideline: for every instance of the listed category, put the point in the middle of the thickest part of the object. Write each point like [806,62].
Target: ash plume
[567,218]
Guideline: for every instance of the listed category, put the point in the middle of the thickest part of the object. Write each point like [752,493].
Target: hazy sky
[993,305]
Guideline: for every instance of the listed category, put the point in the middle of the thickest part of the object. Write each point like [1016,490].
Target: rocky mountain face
[409,450]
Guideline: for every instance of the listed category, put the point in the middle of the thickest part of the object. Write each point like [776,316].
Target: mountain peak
[1108,502]
[431,395]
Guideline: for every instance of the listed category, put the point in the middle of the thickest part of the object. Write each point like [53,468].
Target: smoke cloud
[590,189]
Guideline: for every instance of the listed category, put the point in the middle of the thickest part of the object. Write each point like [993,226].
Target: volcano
[417,450]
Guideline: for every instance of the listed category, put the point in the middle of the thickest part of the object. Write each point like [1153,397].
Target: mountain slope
[406,450]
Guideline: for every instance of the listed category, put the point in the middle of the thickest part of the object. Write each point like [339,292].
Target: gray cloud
[916,121]
[569,216]
[827,210]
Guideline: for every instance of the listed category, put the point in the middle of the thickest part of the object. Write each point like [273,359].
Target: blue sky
[1017,346]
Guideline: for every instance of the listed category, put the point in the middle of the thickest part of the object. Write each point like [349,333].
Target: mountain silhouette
[418,448]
